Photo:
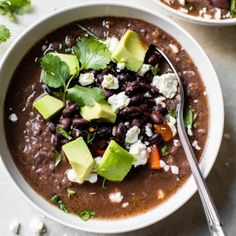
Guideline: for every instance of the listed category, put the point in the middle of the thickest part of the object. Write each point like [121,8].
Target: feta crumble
[138,149]
[132,135]
[120,66]
[36,226]
[160,194]
[86,78]
[72,176]
[160,100]
[174,169]
[195,145]
[111,43]
[110,82]
[166,83]
[182,2]
[217,14]
[13,118]
[173,48]
[118,101]
[116,197]
[125,204]
[14,227]
[144,69]
[148,131]
[173,128]
[176,143]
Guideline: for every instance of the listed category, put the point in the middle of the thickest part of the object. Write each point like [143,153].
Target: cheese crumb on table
[36,226]
[14,227]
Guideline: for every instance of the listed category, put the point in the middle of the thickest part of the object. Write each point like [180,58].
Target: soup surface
[208,9]
[36,143]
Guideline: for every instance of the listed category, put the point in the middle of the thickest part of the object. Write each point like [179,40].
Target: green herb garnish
[87,31]
[61,131]
[191,8]
[232,7]
[4,34]
[88,136]
[86,214]
[55,199]
[92,54]
[189,118]
[84,96]
[103,184]
[70,192]
[154,70]
[173,113]
[164,150]
[12,7]
[58,157]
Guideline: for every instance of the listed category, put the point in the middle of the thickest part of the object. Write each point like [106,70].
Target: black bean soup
[143,111]
[208,9]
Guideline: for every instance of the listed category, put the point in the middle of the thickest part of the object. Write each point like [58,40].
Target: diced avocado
[70,60]
[48,106]
[116,162]
[101,111]
[131,50]
[80,158]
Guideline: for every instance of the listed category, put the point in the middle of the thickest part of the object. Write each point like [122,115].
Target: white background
[220,45]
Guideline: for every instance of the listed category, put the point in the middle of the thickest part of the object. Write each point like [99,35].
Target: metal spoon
[213,219]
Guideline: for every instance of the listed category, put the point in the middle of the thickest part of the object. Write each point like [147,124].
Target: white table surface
[220,45]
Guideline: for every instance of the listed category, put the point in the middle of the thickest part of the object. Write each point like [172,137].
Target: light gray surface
[220,45]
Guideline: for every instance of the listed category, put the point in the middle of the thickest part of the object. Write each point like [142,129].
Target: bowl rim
[190,179]
[195,19]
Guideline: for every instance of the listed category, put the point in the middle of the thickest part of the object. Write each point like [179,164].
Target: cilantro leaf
[84,96]
[4,34]
[55,71]
[189,117]
[70,192]
[12,7]
[92,54]
[58,157]
[55,199]
[154,70]
[61,131]
[173,113]
[86,214]
[164,150]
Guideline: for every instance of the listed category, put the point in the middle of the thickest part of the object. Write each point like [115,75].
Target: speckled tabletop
[220,45]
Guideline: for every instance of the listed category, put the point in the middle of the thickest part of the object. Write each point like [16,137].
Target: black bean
[69,110]
[132,87]
[54,46]
[154,91]
[99,144]
[64,141]
[126,76]
[70,41]
[103,132]
[150,102]
[130,111]
[136,122]
[99,78]
[157,118]
[119,132]
[108,93]
[136,99]
[80,122]
[55,140]
[143,107]
[155,139]
[65,123]
[51,127]
[160,109]
[224,4]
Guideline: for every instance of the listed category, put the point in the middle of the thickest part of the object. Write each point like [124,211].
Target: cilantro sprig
[13,7]
[86,214]
[189,118]
[56,200]
[4,34]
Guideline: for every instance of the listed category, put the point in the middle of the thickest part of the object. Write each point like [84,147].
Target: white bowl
[216,109]
[195,19]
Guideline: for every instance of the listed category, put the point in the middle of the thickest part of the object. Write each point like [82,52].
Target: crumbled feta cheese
[195,145]
[36,226]
[176,143]
[204,93]
[196,101]
[118,101]
[14,227]
[166,83]
[120,66]
[174,169]
[189,131]
[147,95]
[97,161]
[138,149]
[166,168]
[148,131]
[110,82]
[217,14]
[111,43]
[160,194]
[132,135]
[144,69]
[182,2]
[72,176]
[92,193]
[173,128]
[86,78]
[146,143]
[159,100]
[13,118]
[174,48]
[126,123]
[125,204]
[184,10]
[116,197]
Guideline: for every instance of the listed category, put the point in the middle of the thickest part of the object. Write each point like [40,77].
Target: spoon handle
[213,219]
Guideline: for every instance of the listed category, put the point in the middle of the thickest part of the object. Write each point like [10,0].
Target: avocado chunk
[48,106]
[100,111]
[131,50]
[79,157]
[116,162]
[70,60]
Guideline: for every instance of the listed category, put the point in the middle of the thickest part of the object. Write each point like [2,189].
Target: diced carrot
[100,153]
[154,157]
[165,131]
